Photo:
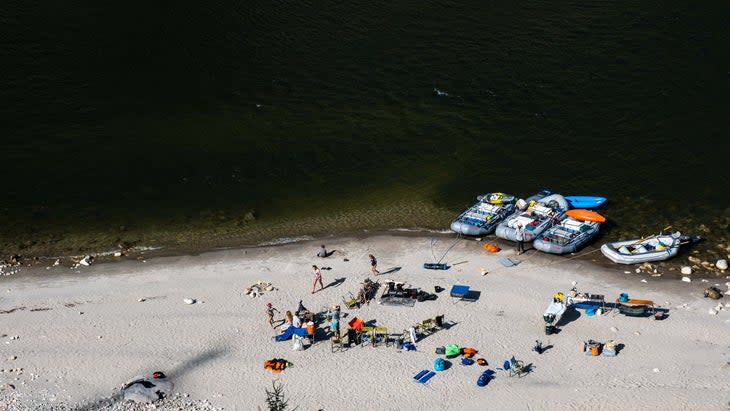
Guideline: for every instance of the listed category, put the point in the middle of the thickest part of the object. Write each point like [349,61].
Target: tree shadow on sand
[174,373]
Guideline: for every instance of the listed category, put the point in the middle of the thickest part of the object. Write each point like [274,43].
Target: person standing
[373,264]
[270,313]
[520,237]
[317,278]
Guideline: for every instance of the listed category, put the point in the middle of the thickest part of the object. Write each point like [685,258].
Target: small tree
[275,400]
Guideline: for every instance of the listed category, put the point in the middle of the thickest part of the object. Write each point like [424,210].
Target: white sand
[215,349]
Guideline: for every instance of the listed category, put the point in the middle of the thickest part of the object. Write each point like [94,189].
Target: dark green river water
[165,123]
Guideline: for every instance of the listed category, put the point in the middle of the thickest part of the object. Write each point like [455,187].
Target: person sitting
[288,320]
[322,252]
[303,313]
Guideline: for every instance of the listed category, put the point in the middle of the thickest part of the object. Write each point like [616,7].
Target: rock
[721,264]
[643,280]
[189,300]
[712,311]
[694,260]
[614,329]
[86,261]
[57,262]
[656,370]
[7,387]
[627,272]
[638,270]
[686,279]
[686,270]
[141,300]
[249,216]
[118,254]
[13,357]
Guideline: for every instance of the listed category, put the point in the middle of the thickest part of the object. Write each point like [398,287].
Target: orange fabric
[469,352]
[491,248]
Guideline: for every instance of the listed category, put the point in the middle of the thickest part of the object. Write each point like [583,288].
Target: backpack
[439,364]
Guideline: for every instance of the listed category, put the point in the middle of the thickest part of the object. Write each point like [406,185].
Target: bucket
[310,328]
[623,297]
[595,351]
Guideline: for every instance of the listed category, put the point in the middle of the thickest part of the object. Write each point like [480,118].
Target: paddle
[652,236]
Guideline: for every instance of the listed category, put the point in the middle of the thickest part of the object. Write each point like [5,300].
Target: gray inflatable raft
[656,248]
[568,236]
[536,219]
[484,215]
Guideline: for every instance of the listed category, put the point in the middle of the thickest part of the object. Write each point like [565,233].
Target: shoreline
[108,322]
[668,270]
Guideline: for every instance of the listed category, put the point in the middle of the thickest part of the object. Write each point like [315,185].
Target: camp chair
[426,326]
[381,335]
[336,344]
[516,367]
[350,302]
[367,335]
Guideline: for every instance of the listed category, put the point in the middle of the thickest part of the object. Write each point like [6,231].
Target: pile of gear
[258,289]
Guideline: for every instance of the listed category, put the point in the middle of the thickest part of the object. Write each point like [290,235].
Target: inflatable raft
[656,248]
[482,217]
[573,232]
[539,216]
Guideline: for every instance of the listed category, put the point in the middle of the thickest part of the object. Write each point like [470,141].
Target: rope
[550,263]
[456,241]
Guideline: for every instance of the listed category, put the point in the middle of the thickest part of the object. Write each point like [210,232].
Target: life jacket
[489,247]
[276,365]
[468,352]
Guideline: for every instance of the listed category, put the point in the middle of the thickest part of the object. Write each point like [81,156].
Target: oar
[652,236]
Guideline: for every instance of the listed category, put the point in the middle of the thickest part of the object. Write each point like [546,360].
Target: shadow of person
[335,283]
[390,270]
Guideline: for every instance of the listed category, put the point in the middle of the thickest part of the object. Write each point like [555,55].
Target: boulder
[721,264]
[147,389]
[686,270]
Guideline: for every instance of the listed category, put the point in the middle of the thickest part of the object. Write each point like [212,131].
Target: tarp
[302,332]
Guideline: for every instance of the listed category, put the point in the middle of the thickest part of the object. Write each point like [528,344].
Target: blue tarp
[302,332]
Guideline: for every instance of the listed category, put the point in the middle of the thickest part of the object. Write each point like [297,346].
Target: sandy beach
[72,338]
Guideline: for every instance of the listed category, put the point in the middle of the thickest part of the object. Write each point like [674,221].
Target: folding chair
[336,344]
[380,335]
[351,302]
[516,367]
